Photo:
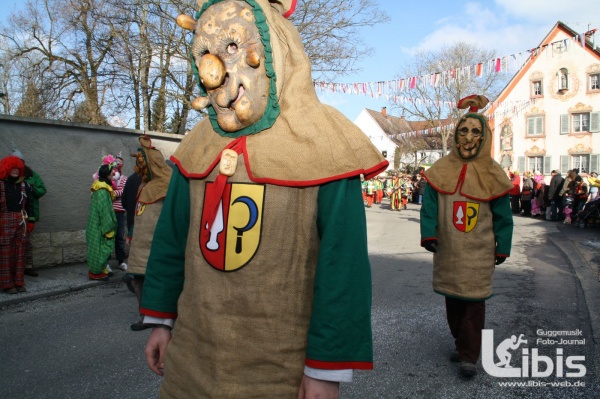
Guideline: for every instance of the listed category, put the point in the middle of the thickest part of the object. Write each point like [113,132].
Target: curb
[49,293]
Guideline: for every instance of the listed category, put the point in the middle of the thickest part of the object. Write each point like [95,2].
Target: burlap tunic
[261,310]
[145,223]
[464,264]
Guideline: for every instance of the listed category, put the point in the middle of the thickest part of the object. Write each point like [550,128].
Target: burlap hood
[309,143]
[158,171]
[478,178]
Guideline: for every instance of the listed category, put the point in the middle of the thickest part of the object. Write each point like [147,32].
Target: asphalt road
[79,345]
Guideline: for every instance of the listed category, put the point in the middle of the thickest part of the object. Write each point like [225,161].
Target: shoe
[128,280]
[123,266]
[454,357]
[468,369]
[139,326]
[31,272]
[21,289]
[12,290]
[108,270]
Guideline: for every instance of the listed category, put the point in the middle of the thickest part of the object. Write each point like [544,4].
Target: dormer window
[563,79]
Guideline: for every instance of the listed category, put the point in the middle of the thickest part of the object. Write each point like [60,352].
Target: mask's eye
[232,48]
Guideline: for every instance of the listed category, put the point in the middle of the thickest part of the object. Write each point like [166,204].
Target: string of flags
[501,110]
[389,89]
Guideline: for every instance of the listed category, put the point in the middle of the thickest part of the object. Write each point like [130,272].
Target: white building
[378,126]
[386,131]
[548,116]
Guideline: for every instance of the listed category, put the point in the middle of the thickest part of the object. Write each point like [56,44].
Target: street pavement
[550,282]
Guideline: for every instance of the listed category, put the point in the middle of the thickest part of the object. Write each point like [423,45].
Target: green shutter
[530,126]
[539,125]
[547,166]
[594,122]
[564,164]
[564,124]
[594,162]
[521,164]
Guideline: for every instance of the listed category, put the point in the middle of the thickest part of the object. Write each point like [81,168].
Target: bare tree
[430,103]
[100,61]
[331,32]
[71,40]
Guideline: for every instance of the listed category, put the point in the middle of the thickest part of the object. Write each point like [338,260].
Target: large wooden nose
[212,71]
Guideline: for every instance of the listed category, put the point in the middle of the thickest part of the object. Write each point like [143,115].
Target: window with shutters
[581,122]
[581,162]
[535,125]
[535,164]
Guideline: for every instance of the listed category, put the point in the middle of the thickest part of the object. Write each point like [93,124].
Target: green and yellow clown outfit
[266,270]
[100,229]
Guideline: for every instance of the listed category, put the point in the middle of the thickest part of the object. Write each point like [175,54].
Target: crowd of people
[567,199]
[400,188]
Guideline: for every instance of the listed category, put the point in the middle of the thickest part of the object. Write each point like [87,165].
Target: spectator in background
[538,205]
[16,223]
[129,199]
[101,224]
[421,185]
[38,191]
[121,180]
[515,192]
[594,184]
[555,199]
[527,194]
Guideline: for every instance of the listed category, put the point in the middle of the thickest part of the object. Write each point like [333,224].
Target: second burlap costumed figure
[156,174]
[260,250]
[467,223]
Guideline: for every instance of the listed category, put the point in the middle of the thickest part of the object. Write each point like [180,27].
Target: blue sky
[508,26]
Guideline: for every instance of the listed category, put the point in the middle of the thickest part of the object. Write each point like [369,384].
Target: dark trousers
[515,203]
[466,320]
[120,238]
[526,205]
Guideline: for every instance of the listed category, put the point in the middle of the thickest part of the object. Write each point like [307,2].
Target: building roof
[392,125]
[559,26]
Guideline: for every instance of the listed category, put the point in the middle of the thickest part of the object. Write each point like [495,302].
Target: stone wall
[66,155]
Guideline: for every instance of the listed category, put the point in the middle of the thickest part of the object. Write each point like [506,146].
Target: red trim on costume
[239,145]
[504,256]
[461,178]
[160,315]
[291,10]
[428,239]
[98,276]
[318,364]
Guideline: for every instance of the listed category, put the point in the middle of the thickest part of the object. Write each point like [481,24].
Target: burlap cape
[159,173]
[479,178]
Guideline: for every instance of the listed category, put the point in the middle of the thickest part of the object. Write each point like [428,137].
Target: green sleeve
[39,189]
[165,270]
[503,224]
[339,336]
[429,215]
